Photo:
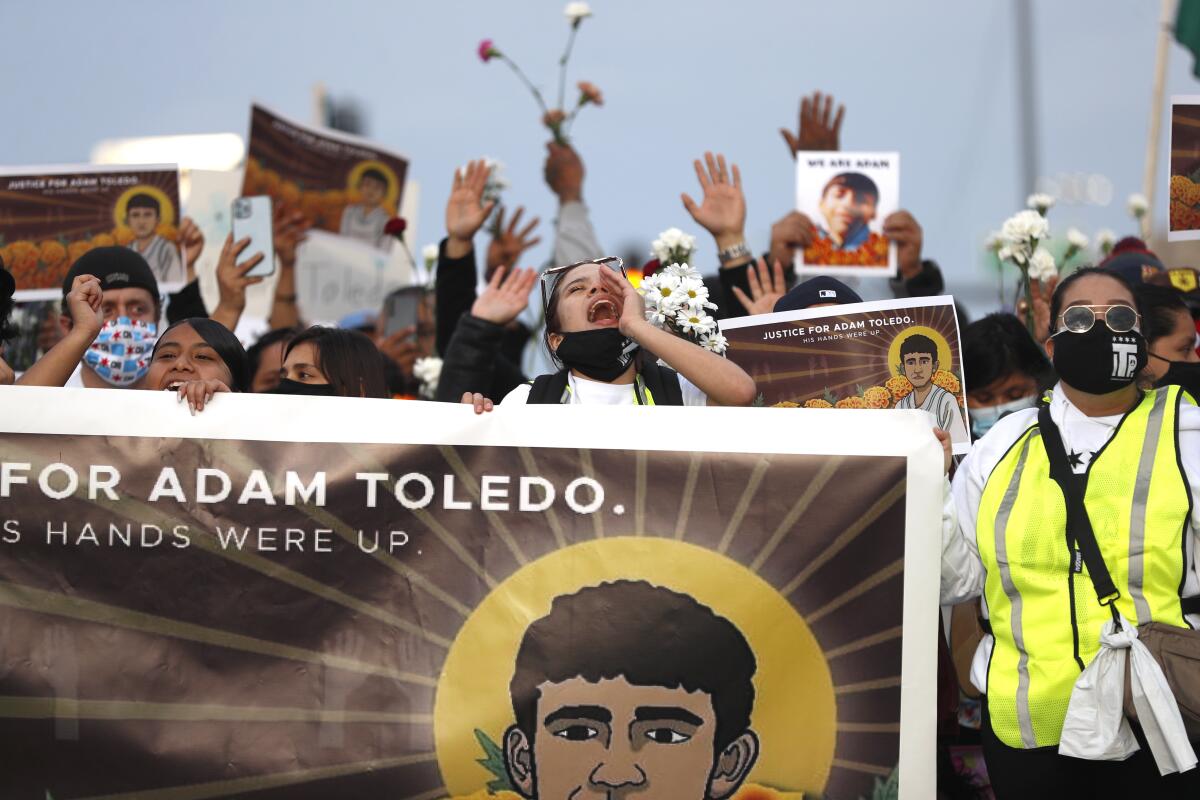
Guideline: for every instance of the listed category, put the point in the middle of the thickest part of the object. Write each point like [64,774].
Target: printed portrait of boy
[366,220]
[848,205]
[143,213]
[919,361]
[631,690]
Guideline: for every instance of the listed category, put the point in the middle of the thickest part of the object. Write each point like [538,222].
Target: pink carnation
[487,50]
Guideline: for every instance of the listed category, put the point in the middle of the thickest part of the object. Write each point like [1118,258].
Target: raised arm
[83,304]
[725,383]
[233,281]
[290,229]
[819,128]
[574,237]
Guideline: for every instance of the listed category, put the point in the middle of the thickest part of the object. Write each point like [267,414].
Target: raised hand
[290,228]
[83,303]
[191,239]
[508,244]
[232,281]
[766,287]
[506,295]
[633,307]
[465,210]
[902,228]
[794,231]
[819,128]
[564,172]
[722,211]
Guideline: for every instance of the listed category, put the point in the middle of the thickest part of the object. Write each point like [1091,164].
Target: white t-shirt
[1083,437]
[596,393]
[944,407]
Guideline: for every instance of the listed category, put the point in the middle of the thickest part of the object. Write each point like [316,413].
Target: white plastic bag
[1095,727]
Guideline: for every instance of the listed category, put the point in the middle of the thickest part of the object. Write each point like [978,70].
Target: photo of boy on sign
[366,219]
[847,196]
[627,688]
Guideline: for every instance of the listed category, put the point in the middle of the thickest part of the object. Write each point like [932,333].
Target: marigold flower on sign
[588,93]
[878,397]
[577,12]
[947,380]
[487,50]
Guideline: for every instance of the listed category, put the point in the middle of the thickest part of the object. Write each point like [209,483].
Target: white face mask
[982,419]
[121,353]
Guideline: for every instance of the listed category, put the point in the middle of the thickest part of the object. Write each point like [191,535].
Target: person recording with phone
[1131,459]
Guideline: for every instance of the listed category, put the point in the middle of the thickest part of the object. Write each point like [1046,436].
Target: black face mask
[1181,373]
[1099,361]
[602,355]
[289,386]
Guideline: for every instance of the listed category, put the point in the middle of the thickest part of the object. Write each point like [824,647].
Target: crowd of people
[575,331]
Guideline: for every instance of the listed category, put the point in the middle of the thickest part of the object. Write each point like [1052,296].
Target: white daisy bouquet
[677,302]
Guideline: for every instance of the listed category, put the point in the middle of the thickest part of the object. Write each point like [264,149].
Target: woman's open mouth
[604,313]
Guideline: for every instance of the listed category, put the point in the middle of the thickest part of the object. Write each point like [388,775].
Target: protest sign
[50,216]
[344,184]
[336,276]
[847,196]
[279,597]
[1184,187]
[882,354]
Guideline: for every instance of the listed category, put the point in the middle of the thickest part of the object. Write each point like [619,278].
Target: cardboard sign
[847,196]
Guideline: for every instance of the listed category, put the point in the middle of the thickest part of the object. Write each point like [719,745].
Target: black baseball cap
[814,291]
[115,268]
[8,284]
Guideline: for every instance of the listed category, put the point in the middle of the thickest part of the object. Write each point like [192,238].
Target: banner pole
[1156,110]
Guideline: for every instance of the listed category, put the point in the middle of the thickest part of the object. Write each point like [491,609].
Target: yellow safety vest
[1042,608]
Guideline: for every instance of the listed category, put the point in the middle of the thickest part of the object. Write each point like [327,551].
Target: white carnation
[428,371]
[429,253]
[673,246]
[1041,265]
[1024,227]
[1137,205]
[577,11]
[1076,239]
[1040,202]
[993,241]
[1105,239]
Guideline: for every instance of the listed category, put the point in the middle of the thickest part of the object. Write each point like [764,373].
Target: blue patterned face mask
[121,353]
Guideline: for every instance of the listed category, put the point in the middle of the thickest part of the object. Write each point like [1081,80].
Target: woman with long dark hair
[334,363]
[197,358]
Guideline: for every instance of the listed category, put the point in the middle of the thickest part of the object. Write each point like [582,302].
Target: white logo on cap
[827,293]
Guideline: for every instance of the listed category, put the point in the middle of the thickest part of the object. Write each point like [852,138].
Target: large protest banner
[277,599]
[881,354]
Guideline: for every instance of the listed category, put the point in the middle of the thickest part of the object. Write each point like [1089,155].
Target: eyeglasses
[1080,319]
[552,276]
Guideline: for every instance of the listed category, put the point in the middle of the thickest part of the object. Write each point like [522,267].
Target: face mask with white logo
[982,419]
[121,353]
[1099,361]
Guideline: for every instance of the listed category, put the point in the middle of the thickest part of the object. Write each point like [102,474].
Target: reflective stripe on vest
[642,396]
[1045,616]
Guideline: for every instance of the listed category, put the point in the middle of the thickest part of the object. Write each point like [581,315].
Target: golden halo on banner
[943,347]
[166,208]
[392,198]
[795,711]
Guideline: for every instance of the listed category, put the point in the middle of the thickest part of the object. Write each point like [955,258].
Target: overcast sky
[932,79]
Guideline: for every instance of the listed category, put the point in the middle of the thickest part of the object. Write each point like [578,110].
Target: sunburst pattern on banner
[209,670]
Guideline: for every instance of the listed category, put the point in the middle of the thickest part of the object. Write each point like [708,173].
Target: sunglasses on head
[1081,319]
[552,276]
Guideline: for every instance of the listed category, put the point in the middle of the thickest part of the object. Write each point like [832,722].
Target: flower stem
[562,64]
[528,83]
[1028,302]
